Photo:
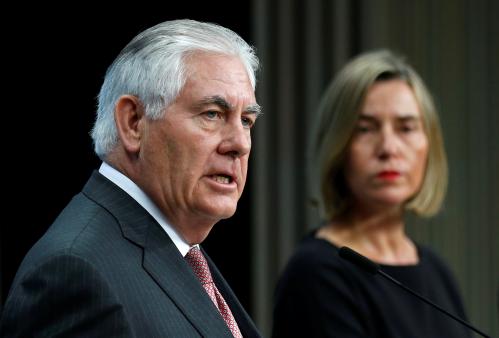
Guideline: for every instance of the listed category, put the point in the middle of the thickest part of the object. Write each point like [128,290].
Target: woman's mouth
[388,175]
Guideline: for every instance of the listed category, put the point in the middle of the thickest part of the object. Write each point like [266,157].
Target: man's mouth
[223,179]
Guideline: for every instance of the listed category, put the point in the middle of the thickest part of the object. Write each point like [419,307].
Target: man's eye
[247,122]
[212,114]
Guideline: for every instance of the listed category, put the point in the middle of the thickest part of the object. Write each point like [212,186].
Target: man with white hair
[123,258]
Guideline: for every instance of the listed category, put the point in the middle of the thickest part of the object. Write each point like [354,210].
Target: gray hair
[152,67]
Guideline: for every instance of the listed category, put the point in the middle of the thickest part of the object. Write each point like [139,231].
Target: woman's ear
[128,114]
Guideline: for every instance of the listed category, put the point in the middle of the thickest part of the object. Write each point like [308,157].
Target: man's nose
[236,140]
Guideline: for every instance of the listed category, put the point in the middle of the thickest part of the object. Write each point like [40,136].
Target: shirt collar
[140,196]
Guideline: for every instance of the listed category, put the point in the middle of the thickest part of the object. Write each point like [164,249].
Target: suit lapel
[162,260]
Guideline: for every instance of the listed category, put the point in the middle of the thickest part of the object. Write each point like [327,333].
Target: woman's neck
[380,237]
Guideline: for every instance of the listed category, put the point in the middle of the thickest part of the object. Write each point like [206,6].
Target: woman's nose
[389,144]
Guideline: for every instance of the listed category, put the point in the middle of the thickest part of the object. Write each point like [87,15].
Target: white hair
[152,67]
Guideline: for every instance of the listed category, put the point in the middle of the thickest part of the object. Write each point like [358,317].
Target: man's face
[195,159]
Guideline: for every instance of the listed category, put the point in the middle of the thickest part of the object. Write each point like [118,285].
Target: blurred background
[55,60]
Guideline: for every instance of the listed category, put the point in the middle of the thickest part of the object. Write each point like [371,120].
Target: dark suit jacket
[106,268]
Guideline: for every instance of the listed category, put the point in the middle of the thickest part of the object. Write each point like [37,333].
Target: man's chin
[217,207]
[226,213]
[218,213]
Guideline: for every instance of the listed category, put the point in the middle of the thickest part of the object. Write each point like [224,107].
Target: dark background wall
[454,45]
[55,61]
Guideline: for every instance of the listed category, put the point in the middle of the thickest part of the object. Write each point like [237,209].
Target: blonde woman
[379,156]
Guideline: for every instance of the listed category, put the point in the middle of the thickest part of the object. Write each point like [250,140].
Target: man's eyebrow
[222,103]
[216,100]
[254,109]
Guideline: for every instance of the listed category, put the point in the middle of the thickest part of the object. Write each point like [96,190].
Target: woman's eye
[363,129]
[407,128]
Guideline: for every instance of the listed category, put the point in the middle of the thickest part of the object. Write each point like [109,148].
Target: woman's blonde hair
[338,114]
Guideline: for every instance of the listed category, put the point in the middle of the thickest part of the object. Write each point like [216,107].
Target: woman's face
[387,155]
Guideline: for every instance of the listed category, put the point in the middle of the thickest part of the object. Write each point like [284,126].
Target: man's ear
[129,115]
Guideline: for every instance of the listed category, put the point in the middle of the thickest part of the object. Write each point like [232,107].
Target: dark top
[322,295]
